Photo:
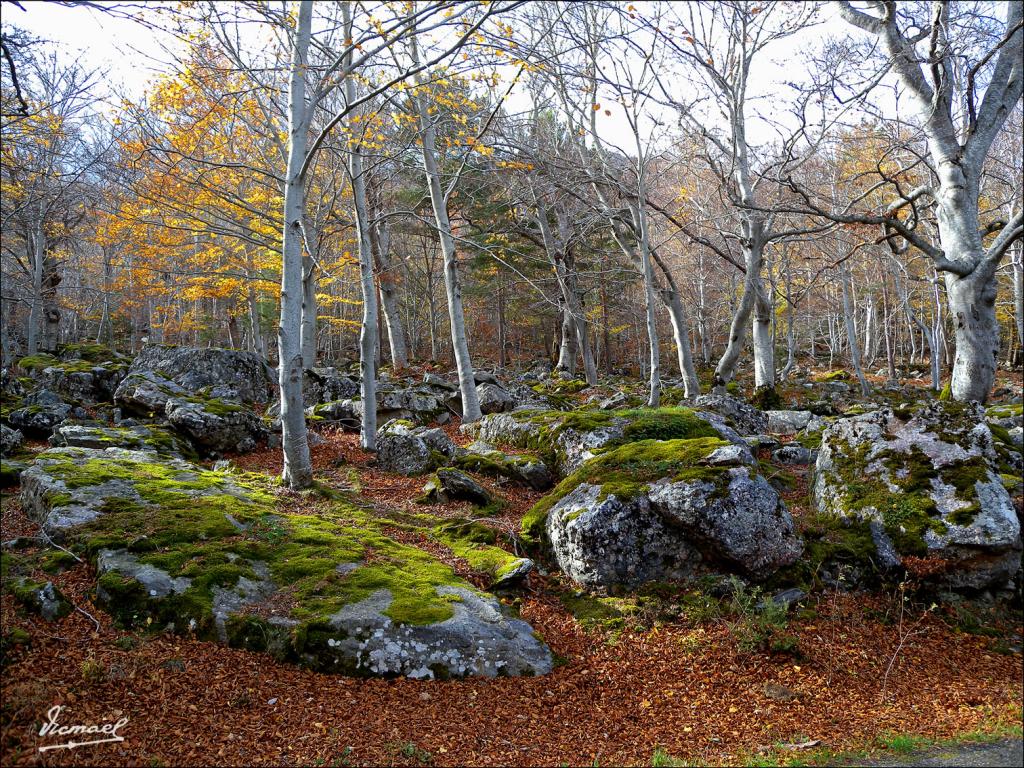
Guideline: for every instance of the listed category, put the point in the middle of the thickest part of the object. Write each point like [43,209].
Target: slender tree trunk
[36,308]
[851,333]
[368,328]
[726,369]
[380,239]
[298,469]
[308,312]
[453,284]
[764,348]
[1017,266]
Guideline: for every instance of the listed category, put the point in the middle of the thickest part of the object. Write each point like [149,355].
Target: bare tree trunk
[851,333]
[36,307]
[453,284]
[368,328]
[567,346]
[680,331]
[308,332]
[298,469]
[380,239]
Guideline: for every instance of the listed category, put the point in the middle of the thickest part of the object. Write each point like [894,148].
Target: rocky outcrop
[449,484]
[664,509]
[928,481]
[523,468]
[10,440]
[217,373]
[40,413]
[217,426]
[134,438]
[744,418]
[185,550]
[494,398]
[409,450]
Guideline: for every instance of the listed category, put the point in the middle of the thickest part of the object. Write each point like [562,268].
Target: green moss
[946,394]
[1005,411]
[38,362]
[94,353]
[626,470]
[811,440]
[667,424]
[767,399]
[839,375]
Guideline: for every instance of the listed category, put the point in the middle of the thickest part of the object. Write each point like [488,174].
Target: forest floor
[662,679]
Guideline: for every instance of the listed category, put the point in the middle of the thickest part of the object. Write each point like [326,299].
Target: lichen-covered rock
[791,422]
[494,398]
[137,437]
[220,373]
[525,468]
[324,385]
[449,484]
[42,598]
[83,381]
[347,414]
[794,454]
[573,438]
[607,541]
[659,509]
[146,393]
[407,450]
[928,479]
[68,487]
[40,413]
[216,426]
[477,640]
[744,418]
[10,440]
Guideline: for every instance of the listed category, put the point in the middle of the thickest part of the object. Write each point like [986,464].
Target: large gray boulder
[791,422]
[323,385]
[139,437]
[682,506]
[40,412]
[10,440]
[220,373]
[185,550]
[494,398]
[146,393]
[928,480]
[408,449]
[216,426]
[743,417]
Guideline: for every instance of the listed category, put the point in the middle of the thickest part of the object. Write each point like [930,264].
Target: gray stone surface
[477,640]
[883,449]
[217,426]
[743,417]
[494,398]
[40,412]
[134,438]
[450,484]
[10,440]
[406,450]
[233,373]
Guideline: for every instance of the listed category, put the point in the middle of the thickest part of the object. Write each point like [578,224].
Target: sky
[131,55]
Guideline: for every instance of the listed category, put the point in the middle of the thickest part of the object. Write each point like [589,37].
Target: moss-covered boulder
[566,440]
[741,416]
[928,481]
[222,373]
[525,468]
[412,450]
[39,413]
[450,484]
[655,510]
[140,437]
[211,554]
[215,426]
